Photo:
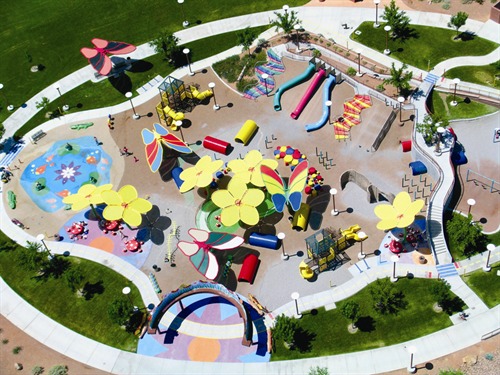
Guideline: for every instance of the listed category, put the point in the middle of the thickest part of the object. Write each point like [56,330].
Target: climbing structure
[351,116]
[274,66]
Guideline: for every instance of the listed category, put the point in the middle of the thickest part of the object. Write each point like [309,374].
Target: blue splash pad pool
[63,169]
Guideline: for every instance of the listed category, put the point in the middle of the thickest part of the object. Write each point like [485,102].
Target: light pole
[456,82]
[329,103]
[362,236]
[471,202]
[211,85]
[58,90]
[41,238]
[295,296]
[376,24]
[129,95]
[185,23]
[333,191]
[440,130]
[281,237]
[178,125]
[394,260]
[412,350]
[186,52]
[265,76]
[126,291]
[297,27]
[285,8]
[387,51]
[401,100]
[490,247]
[358,51]
[10,107]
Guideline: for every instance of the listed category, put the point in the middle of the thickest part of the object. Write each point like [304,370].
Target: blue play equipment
[306,74]
[176,175]
[417,168]
[327,94]
[267,241]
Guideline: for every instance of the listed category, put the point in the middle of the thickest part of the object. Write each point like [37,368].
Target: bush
[318,371]
[58,370]
[17,350]
[285,328]
[37,370]
[229,68]
[351,71]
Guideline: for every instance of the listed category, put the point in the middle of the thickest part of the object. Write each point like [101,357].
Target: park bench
[38,135]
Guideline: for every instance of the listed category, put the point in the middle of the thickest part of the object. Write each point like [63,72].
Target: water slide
[304,76]
[309,93]
[327,94]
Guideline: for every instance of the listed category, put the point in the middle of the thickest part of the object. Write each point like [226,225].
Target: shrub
[229,68]
[17,350]
[380,87]
[37,370]
[58,370]
[285,328]
[316,53]
[318,371]
[5,341]
[351,71]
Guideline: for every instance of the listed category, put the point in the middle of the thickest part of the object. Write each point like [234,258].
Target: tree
[441,291]
[119,311]
[32,257]
[286,21]
[351,311]
[428,127]
[245,38]
[399,78]
[386,298]
[75,279]
[398,20]
[43,103]
[464,235]
[457,21]
[284,329]
[167,44]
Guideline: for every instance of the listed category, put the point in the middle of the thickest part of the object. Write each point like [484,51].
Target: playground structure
[202,287]
[176,99]
[374,194]
[325,248]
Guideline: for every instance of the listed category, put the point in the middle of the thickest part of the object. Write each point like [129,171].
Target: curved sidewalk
[112,360]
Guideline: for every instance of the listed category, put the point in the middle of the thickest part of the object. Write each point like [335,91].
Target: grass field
[464,110]
[54,298]
[486,75]
[325,332]
[485,284]
[431,45]
[51,33]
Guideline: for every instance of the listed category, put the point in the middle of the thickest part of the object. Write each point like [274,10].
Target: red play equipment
[217,145]
[133,245]
[249,268]
[318,78]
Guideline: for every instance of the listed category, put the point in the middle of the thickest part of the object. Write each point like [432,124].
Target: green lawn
[51,33]
[430,46]
[482,75]
[55,299]
[325,333]
[107,93]
[485,284]
[464,110]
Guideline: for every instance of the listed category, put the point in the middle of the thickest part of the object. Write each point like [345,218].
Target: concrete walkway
[326,21]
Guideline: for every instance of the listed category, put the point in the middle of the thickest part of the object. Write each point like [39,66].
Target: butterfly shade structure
[98,56]
[154,140]
[199,251]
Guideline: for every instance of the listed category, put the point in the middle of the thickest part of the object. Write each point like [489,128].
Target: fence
[484,181]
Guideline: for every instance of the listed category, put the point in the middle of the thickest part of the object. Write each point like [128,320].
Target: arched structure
[202,287]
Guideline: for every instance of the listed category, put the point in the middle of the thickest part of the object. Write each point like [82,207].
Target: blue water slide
[304,76]
[327,94]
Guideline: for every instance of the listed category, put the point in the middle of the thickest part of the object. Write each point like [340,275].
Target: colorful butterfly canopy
[153,140]
[98,56]
[199,252]
[282,194]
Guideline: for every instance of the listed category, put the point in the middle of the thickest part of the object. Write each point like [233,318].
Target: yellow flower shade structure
[125,205]
[87,195]
[400,214]
[238,203]
[201,174]
[248,168]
